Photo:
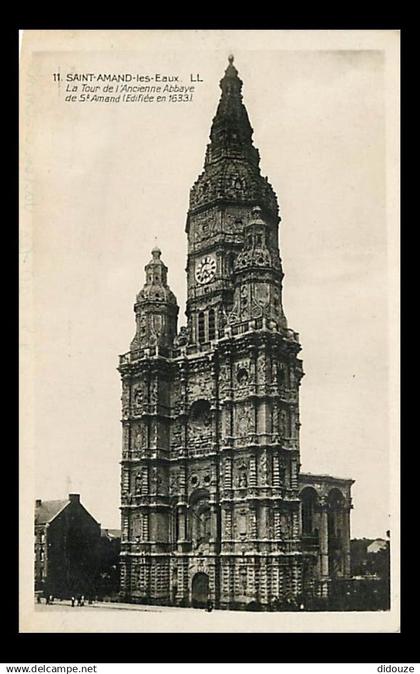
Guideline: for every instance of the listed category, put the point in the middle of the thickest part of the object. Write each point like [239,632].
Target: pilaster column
[182,524]
[323,540]
[227,475]
[276,472]
[262,521]
[252,475]
[213,522]
[226,523]
[346,541]
[252,523]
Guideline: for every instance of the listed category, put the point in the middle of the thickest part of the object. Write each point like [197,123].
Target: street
[65,605]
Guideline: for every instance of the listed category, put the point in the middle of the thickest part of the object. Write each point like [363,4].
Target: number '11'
[56,77]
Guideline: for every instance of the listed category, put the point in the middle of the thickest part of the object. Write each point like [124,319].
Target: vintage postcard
[209,342]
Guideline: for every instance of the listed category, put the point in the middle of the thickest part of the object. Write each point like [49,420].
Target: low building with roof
[67,548]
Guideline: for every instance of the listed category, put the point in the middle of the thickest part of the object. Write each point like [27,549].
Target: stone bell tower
[210,465]
[220,204]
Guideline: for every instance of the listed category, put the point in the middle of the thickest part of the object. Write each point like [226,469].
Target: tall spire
[231,132]
[231,167]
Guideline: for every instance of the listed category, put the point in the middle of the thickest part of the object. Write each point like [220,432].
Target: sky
[112,180]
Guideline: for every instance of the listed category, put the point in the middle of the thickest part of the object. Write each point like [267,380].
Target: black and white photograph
[209,331]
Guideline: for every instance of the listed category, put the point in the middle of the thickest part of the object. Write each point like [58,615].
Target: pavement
[65,605]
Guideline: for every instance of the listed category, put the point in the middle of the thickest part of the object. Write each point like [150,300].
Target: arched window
[201,328]
[212,324]
[200,413]
[309,500]
[199,519]
[230,262]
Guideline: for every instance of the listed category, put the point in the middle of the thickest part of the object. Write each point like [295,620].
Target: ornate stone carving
[182,337]
[210,474]
[125,401]
[244,423]
[242,376]
[138,438]
[174,484]
[137,483]
[137,397]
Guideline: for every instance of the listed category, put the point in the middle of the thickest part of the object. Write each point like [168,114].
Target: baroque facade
[212,499]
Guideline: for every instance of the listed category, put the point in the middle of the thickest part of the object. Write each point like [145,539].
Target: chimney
[38,502]
[74,498]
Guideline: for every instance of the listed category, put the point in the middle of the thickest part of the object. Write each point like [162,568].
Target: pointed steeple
[156,307]
[231,131]
[231,167]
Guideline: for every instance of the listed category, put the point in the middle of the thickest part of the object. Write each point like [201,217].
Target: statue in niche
[243,425]
[138,440]
[138,396]
[244,422]
[242,376]
[174,484]
[282,476]
[137,484]
[263,468]
[284,526]
[261,368]
[283,423]
[222,317]
[200,523]
[243,480]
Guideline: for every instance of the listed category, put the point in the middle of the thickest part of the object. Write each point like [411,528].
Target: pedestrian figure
[82,600]
[209,605]
[38,599]
[47,601]
[72,601]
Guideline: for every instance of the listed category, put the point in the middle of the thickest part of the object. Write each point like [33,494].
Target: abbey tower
[213,502]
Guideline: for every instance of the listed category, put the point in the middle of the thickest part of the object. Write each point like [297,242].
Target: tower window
[212,324]
[230,262]
[309,501]
[201,328]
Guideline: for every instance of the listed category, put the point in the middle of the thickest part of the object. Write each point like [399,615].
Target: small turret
[258,275]
[156,307]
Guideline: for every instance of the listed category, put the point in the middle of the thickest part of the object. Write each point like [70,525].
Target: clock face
[205,270]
